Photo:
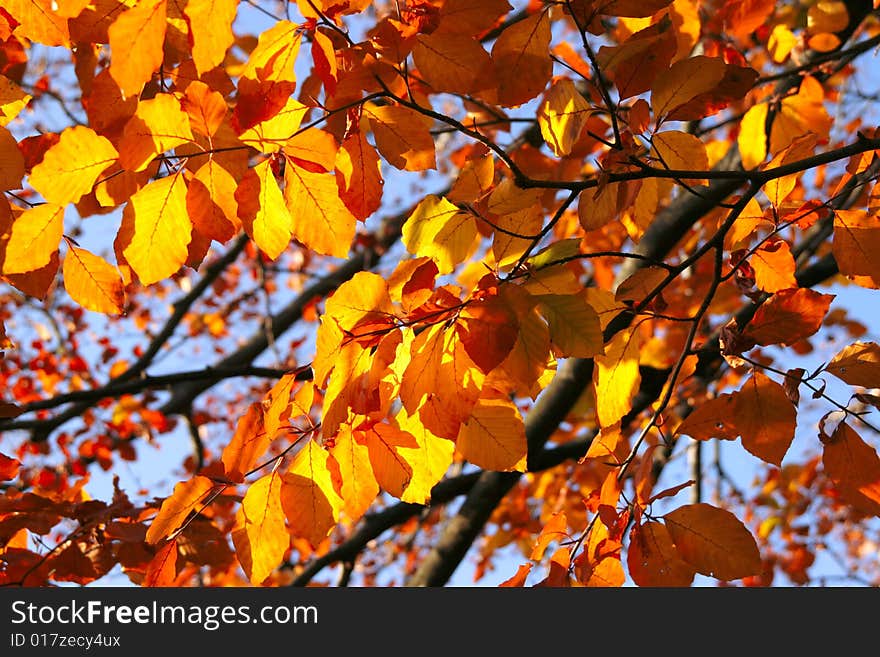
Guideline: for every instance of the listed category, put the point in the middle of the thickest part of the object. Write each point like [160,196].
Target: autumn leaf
[70,168]
[158,125]
[713,541]
[451,62]
[616,377]
[681,150]
[162,569]
[38,21]
[774,266]
[402,136]
[554,530]
[635,63]
[211,202]
[320,219]
[521,56]
[162,229]
[353,476]
[308,498]
[700,86]
[263,211]
[206,108]
[854,467]
[653,560]
[715,418]
[488,329]
[856,240]
[136,39]
[188,497]
[494,436]
[260,535]
[13,99]
[359,176]
[857,364]
[765,418]
[11,161]
[574,325]
[788,316]
[210,26]
[248,443]
[36,234]
[562,116]
[439,230]
[9,467]
[92,282]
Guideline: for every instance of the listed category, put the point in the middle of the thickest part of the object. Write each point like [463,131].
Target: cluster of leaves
[573,306]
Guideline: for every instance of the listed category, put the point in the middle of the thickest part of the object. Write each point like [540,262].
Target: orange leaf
[277,404]
[262,210]
[248,443]
[752,138]
[307,495]
[711,419]
[681,150]
[488,329]
[162,229]
[683,81]
[206,108]
[856,243]
[574,325]
[555,529]
[320,220]
[70,168]
[562,116]
[519,577]
[8,467]
[12,100]
[92,282]
[788,316]
[260,536]
[765,418]
[637,61]
[713,541]
[774,266]
[402,136]
[383,442]
[270,135]
[275,55]
[857,364]
[632,8]
[653,560]
[162,569]
[494,436]
[472,16]
[11,161]
[314,150]
[361,301]
[158,125]
[210,202]
[359,176]
[521,56]
[429,459]
[210,28]
[854,467]
[188,497]
[136,40]
[800,113]
[34,241]
[39,21]
[616,377]
[451,62]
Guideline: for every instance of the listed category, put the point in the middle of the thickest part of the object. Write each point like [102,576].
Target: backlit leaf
[158,125]
[521,56]
[359,176]
[402,135]
[856,243]
[774,266]
[391,469]
[39,21]
[36,234]
[713,541]
[248,443]
[162,229]
[11,161]
[162,569]
[307,495]
[616,377]
[765,418]
[488,329]
[210,25]
[715,418]
[857,364]
[260,537]
[70,168]
[494,436]
[92,282]
[262,210]
[13,99]
[354,478]
[854,467]
[574,325]
[320,219]
[9,467]
[451,62]
[136,39]
[788,316]
[211,204]
[562,116]
[653,560]
[684,81]
[439,230]
[188,497]
[681,150]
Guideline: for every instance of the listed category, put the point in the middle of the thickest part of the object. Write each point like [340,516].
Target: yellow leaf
[429,459]
[782,41]
[384,443]
[451,62]
[359,176]
[307,495]
[800,113]
[854,467]
[36,234]
[353,474]
[765,418]
[494,437]
[856,244]
[70,168]
[681,150]
[774,266]
[248,443]
[320,220]
[262,210]
[653,560]
[713,541]
[92,282]
[39,21]
[162,229]
[439,230]
[271,135]
[275,55]
[11,161]
[574,325]
[313,146]
[521,56]
[188,497]
[616,377]
[683,81]
[516,217]
[210,25]
[210,201]
[260,537]
[562,116]
[752,138]
[603,205]
[474,178]
[276,404]
[362,300]
[402,136]
[206,108]
[158,125]
[779,188]
[136,40]
[12,100]
[857,364]
[554,530]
